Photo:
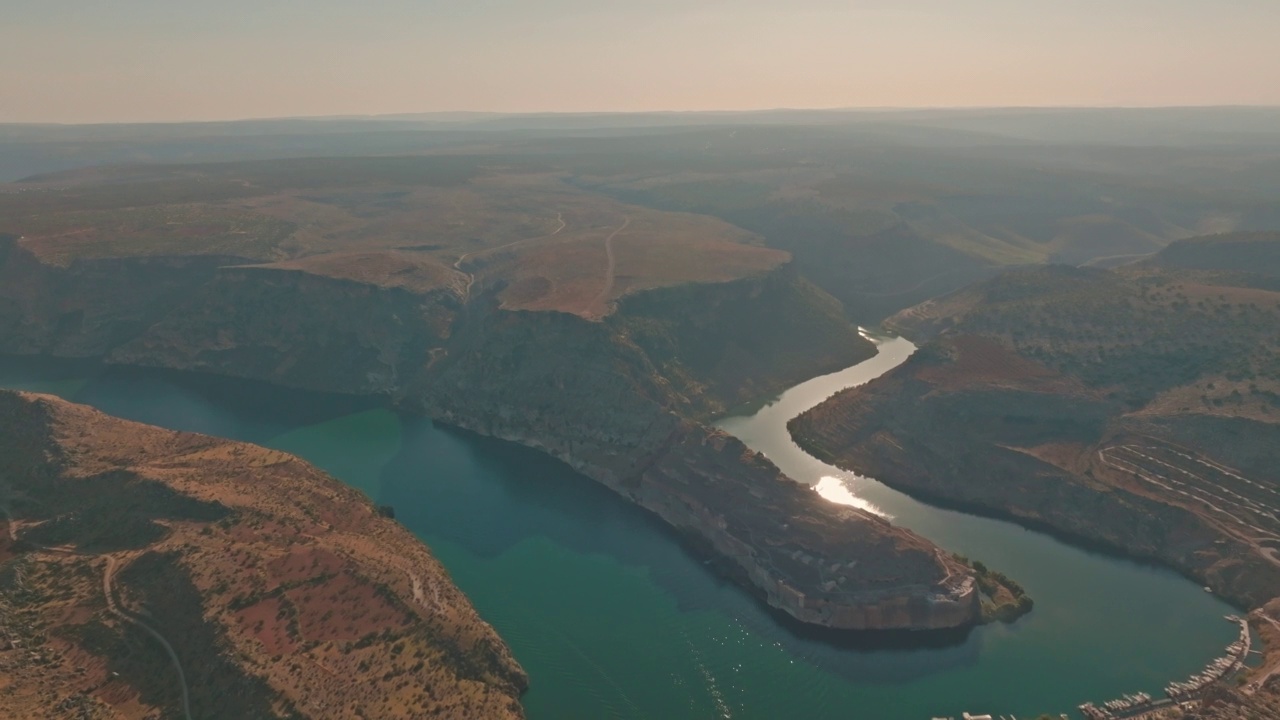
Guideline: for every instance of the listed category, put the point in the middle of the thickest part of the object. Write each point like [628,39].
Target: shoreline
[990,512]
[868,606]
[217,384]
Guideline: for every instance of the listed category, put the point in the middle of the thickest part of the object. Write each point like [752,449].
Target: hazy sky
[125,60]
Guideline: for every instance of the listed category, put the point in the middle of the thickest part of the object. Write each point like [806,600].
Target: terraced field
[1248,508]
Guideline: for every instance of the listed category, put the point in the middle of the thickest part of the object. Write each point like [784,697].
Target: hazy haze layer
[151,60]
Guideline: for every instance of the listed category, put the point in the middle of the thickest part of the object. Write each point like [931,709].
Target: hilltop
[277,590]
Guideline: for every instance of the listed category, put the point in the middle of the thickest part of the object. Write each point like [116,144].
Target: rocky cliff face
[617,399]
[90,306]
[299,328]
[1136,407]
[819,563]
[277,590]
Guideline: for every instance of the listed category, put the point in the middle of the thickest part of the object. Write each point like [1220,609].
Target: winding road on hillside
[108,575]
[471,278]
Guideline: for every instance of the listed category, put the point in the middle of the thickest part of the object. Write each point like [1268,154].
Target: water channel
[613,619]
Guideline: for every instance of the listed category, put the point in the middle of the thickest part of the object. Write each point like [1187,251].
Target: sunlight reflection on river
[835,490]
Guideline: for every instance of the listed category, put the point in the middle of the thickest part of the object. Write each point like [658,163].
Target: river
[612,619]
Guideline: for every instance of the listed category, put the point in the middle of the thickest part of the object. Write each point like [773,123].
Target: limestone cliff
[1137,407]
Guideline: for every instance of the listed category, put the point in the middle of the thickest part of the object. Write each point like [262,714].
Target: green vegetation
[1137,331]
[1004,600]
[745,343]
[1248,253]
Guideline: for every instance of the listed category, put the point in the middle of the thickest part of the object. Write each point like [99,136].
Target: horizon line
[492,114]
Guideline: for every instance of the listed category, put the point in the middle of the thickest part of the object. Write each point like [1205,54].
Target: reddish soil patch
[340,518]
[95,666]
[1066,455]
[527,291]
[583,272]
[304,564]
[345,608]
[117,693]
[76,615]
[313,577]
[268,623]
[413,271]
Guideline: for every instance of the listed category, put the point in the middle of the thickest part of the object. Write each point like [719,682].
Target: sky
[80,61]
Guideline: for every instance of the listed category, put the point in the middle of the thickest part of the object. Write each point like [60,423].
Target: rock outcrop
[1030,457]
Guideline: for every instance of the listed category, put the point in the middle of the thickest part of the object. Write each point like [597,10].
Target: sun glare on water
[834,489]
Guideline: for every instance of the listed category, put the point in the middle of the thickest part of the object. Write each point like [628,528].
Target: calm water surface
[612,619]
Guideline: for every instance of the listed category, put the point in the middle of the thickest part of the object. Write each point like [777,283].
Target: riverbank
[1060,587]
[1047,452]
[570,574]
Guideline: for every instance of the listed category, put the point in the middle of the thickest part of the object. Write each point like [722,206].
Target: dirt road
[471,278]
[605,291]
[108,577]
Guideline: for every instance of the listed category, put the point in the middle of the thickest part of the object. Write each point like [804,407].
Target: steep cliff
[721,345]
[88,306]
[145,571]
[318,324]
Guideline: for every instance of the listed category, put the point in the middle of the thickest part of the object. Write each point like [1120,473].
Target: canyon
[612,365]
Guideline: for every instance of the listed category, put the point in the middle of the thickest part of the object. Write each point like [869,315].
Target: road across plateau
[603,297]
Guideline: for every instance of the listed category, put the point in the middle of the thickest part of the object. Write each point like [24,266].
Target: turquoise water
[612,619]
